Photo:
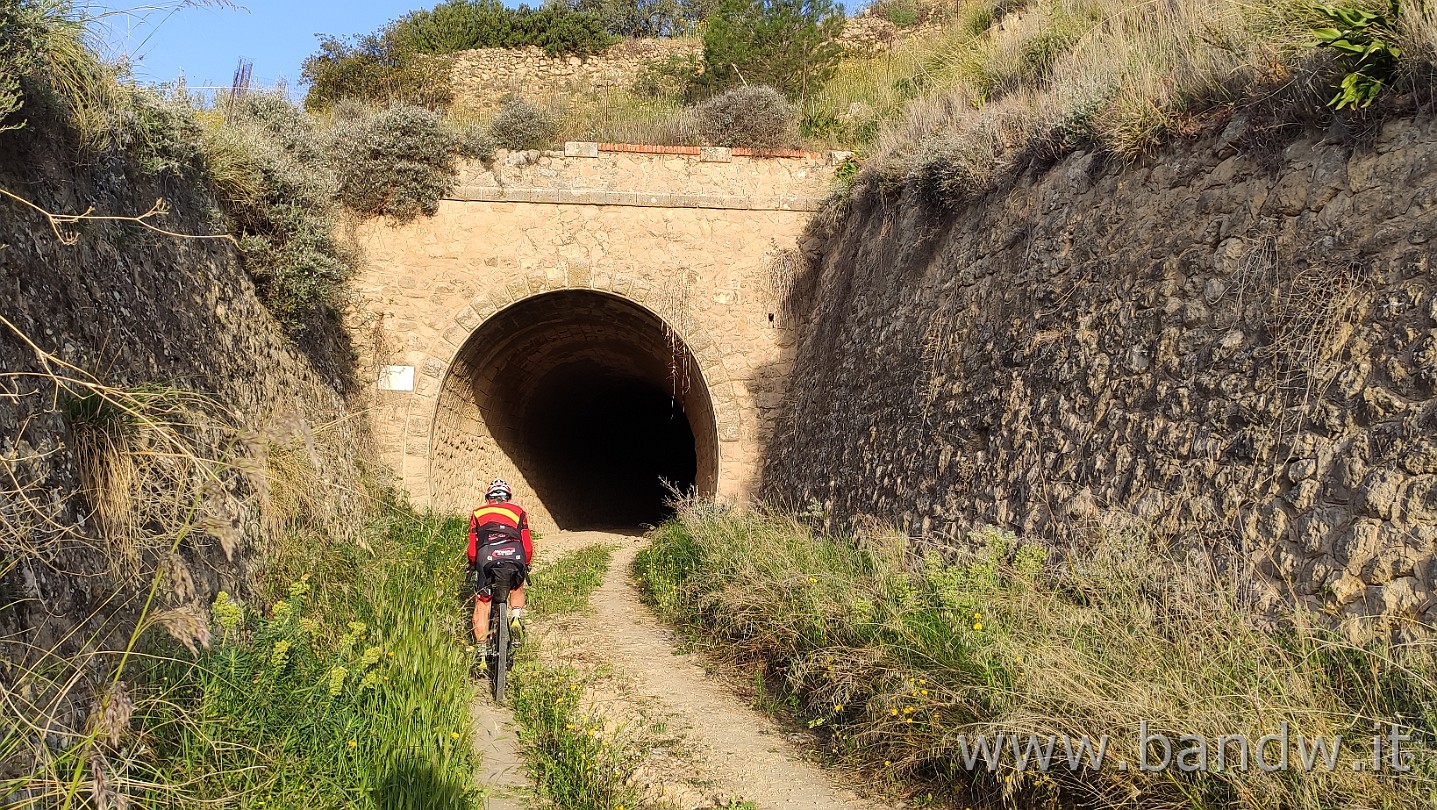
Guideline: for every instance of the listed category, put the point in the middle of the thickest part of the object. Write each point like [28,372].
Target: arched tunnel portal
[589,400]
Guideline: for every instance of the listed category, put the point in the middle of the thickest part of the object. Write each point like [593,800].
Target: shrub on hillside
[521,125]
[278,189]
[647,18]
[788,44]
[756,117]
[370,68]
[670,77]
[902,13]
[398,162]
[472,140]
[458,25]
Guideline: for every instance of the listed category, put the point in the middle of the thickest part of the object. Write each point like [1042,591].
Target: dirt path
[501,769]
[719,741]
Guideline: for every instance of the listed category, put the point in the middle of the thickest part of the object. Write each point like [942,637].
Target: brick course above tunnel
[714,275]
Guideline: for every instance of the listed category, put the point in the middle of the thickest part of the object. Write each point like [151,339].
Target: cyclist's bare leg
[481,619]
[516,597]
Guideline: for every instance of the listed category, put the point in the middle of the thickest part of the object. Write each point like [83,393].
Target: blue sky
[204,44]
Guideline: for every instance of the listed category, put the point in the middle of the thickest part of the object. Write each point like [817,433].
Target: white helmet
[498,490]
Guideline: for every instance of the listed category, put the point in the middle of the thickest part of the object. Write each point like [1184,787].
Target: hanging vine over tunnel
[590,403]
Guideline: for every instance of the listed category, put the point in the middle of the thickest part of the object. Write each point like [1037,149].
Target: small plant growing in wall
[1366,52]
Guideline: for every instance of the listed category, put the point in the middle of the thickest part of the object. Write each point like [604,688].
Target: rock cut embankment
[1223,345]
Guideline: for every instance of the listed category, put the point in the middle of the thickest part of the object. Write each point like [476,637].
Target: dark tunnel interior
[610,441]
[596,405]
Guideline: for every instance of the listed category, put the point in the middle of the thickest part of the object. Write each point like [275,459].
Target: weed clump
[755,117]
[520,125]
[573,760]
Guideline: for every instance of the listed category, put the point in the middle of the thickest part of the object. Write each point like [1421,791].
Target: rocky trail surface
[706,746]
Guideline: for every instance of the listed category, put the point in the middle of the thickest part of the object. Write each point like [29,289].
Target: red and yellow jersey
[505,521]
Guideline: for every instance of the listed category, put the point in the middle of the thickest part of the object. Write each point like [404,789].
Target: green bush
[1365,45]
[756,117]
[399,162]
[647,18]
[901,659]
[521,125]
[371,69]
[788,44]
[458,25]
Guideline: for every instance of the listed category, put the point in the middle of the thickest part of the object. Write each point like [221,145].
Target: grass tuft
[575,760]
[576,757]
[563,586]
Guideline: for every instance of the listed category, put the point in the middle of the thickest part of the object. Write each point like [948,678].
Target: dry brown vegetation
[903,658]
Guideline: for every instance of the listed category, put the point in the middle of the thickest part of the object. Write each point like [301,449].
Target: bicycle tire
[501,651]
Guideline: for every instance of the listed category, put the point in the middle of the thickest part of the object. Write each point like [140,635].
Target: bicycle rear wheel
[500,670]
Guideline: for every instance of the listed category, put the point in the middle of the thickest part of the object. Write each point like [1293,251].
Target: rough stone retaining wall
[483,76]
[1228,346]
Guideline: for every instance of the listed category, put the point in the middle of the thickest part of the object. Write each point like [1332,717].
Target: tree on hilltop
[788,44]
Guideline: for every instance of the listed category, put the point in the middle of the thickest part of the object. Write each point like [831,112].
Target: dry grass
[904,659]
[956,108]
[157,473]
[606,115]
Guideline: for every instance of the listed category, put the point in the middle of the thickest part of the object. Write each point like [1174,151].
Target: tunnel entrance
[588,401]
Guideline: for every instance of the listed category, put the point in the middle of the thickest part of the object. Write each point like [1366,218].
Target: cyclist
[498,535]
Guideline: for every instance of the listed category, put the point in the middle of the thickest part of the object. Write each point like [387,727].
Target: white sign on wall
[396,378]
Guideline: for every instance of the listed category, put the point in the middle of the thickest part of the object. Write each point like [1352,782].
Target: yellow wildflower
[353,744]
[336,680]
[977,625]
[454,735]
[228,612]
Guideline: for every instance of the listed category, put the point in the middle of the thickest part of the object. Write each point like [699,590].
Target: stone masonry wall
[699,244]
[1233,348]
[482,77]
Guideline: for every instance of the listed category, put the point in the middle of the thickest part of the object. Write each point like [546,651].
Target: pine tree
[788,44]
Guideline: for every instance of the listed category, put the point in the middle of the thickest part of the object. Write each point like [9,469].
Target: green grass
[574,758]
[899,661]
[564,585]
[353,691]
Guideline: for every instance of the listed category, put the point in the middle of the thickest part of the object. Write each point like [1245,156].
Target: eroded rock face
[130,308]
[1234,356]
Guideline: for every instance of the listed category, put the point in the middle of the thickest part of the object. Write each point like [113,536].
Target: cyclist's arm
[526,539]
[473,541]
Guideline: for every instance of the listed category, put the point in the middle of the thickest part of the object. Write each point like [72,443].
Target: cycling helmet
[498,489]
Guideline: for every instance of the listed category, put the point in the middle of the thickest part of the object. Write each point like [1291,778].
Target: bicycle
[498,651]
